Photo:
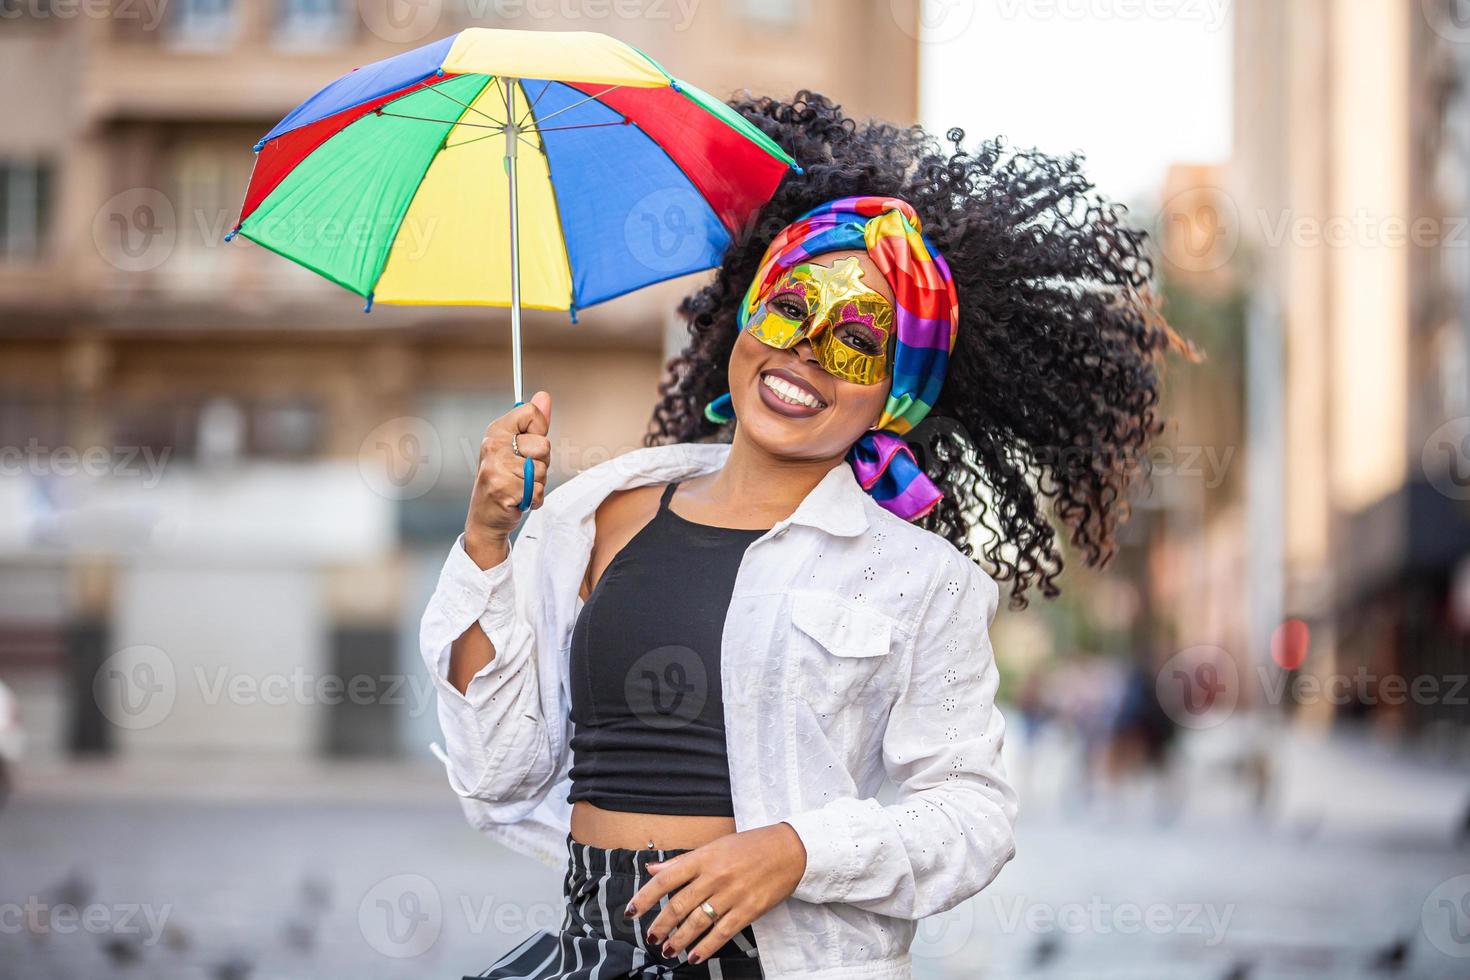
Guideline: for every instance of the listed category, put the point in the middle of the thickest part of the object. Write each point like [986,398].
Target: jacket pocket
[843,630]
[838,653]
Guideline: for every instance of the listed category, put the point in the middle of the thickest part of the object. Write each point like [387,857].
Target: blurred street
[372,873]
[1242,749]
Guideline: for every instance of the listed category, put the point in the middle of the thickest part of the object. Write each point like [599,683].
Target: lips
[796,380]
[787,397]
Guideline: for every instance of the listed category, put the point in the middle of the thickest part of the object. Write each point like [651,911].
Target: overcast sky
[1135,84]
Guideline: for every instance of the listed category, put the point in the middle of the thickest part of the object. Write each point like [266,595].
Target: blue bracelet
[530,477]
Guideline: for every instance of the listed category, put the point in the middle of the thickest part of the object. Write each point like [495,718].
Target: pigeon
[1046,950]
[121,952]
[1239,970]
[235,968]
[1391,958]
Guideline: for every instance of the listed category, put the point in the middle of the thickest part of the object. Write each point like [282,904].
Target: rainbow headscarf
[926,318]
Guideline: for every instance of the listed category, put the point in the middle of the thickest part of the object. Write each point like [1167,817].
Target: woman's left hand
[742,876]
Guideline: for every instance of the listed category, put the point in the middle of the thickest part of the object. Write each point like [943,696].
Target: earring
[720,410]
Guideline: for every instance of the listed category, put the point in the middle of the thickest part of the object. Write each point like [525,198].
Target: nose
[804,350]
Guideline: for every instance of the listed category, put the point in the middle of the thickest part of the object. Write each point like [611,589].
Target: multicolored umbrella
[551,170]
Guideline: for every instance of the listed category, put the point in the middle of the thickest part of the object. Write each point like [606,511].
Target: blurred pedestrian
[12,740]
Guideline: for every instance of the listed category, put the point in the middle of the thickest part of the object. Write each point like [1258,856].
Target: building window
[166,429]
[203,23]
[772,11]
[286,429]
[311,23]
[25,209]
[223,430]
[207,178]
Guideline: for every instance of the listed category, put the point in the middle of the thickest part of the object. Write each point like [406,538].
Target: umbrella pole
[512,138]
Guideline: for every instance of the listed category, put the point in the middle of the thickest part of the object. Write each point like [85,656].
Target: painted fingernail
[653,939]
[695,958]
[629,911]
[668,950]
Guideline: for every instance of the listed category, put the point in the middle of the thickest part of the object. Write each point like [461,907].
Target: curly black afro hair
[1052,391]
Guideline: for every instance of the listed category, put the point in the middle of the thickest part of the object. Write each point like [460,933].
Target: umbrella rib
[465,105]
[492,135]
[474,139]
[530,106]
[499,127]
[568,108]
[558,129]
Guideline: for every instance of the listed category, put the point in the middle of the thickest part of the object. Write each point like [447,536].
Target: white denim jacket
[855,657]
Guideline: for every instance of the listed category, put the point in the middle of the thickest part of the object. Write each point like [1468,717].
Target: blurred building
[220,478]
[1352,166]
[1196,549]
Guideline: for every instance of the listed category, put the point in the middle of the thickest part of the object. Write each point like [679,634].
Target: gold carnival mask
[847,323]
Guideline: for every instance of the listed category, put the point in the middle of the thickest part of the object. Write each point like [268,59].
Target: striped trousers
[596,942]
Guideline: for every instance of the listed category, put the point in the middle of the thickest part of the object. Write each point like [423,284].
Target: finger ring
[513,447]
[709,910]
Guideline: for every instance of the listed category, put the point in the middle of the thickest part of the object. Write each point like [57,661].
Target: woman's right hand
[495,502]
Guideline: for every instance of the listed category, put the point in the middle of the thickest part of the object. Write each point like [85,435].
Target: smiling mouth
[790,393]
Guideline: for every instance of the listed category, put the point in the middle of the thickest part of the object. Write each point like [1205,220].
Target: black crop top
[647,708]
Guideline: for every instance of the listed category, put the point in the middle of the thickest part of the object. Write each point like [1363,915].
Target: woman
[702,660]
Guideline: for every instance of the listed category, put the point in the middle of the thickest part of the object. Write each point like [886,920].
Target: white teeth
[788,392]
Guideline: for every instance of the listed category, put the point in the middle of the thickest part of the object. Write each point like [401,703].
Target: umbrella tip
[258,147]
[674,84]
[573,311]
[232,233]
[798,168]
[368,308]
